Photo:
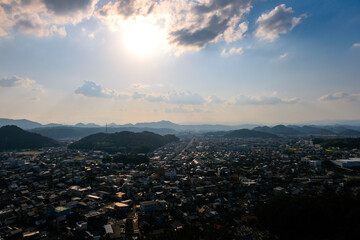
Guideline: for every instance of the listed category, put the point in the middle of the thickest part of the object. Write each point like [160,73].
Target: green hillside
[13,137]
[126,142]
[349,143]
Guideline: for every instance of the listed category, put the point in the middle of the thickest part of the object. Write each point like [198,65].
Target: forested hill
[126,142]
[348,143]
[13,137]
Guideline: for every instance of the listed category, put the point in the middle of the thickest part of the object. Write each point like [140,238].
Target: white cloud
[155,98]
[180,109]
[341,96]
[356,45]
[16,81]
[232,51]
[189,24]
[42,18]
[215,100]
[180,98]
[34,26]
[91,89]
[137,95]
[284,55]
[176,97]
[278,21]
[263,100]
[139,86]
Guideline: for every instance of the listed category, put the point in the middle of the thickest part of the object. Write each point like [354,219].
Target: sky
[186,61]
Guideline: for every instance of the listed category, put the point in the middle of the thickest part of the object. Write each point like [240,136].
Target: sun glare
[142,38]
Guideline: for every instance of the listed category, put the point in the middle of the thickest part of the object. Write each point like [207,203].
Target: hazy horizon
[353,122]
[208,61]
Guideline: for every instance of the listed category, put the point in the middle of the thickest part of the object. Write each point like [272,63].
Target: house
[148,206]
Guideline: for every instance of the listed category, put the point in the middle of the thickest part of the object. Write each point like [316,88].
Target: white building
[347,163]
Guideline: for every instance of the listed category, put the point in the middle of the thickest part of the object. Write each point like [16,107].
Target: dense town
[210,184]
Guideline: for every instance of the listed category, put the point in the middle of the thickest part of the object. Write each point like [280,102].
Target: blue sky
[207,61]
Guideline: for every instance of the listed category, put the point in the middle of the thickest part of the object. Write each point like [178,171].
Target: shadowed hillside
[13,137]
[127,142]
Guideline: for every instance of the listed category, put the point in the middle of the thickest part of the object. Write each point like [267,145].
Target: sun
[142,38]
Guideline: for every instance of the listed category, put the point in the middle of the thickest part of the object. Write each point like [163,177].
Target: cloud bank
[263,100]
[340,96]
[189,25]
[92,89]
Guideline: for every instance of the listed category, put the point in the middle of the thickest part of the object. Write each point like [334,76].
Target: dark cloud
[127,8]
[210,22]
[62,7]
[199,37]
[227,7]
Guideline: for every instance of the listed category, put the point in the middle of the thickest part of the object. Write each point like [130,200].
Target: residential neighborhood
[204,182]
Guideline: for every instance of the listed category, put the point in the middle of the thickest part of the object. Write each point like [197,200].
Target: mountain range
[70,132]
[13,137]
[80,130]
[246,133]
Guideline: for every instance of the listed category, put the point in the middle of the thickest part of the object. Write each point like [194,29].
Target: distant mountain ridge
[246,133]
[126,142]
[13,138]
[69,132]
[80,130]
[26,124]
[349,133]
[21,123]
[279,130]
[313,130]
[286,131]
